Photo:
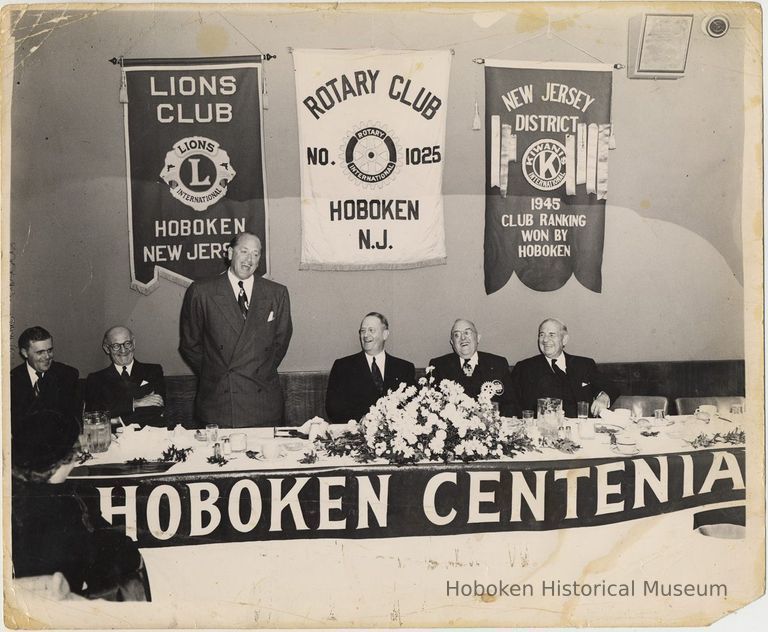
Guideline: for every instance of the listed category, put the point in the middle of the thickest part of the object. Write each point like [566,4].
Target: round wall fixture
[716,25]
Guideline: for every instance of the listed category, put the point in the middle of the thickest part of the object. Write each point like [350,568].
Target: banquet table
[377,544]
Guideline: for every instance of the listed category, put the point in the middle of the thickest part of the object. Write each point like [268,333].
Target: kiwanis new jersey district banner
[195,165]
[372,144]
[547,138]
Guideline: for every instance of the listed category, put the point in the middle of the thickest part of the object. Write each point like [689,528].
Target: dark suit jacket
[59,390]
[351,392]
[106,390]
[533,378]
[54,531]
[236,360]
[489,367]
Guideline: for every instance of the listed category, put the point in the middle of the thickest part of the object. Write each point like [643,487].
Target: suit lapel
[225,299]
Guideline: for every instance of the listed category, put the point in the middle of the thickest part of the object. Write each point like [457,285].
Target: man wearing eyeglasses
[40,383]
[358,381]
[127,388]
[472,369]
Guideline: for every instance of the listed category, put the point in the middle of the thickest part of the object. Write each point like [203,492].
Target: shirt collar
[559,360]
[247,284]
[119,368]
[381,358]
[32,373]
[472,361]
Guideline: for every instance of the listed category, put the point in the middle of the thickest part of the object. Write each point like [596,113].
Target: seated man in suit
[357,382]
[40,383]
[127,388]
[472,368]
[555,373]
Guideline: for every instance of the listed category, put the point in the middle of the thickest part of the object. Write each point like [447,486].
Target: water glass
[97,432]
[238,442]
[212,433]
[582,410]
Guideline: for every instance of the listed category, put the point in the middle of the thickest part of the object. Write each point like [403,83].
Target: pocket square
[271,316]
[143,383]
[583,384]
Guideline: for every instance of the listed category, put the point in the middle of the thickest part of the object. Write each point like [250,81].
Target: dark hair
[33,334]
[380,316]
[236,239]
[44,475]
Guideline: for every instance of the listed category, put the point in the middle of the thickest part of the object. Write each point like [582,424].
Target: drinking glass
[238,442]
[212,433]
[583,409]
[97,431]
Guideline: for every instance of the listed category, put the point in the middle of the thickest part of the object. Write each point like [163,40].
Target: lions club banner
[371,150]
[548,133]
[195,165]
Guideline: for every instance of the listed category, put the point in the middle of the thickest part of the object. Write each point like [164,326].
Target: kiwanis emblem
[544,164]
[197,171]
[370,155]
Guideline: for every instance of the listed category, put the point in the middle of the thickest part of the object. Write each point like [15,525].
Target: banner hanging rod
[190,61]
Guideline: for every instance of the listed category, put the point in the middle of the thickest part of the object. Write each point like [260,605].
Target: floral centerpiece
[431,422]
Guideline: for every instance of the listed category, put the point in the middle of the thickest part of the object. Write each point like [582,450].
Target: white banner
[372,145]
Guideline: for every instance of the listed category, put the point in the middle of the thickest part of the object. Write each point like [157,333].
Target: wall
[672,268]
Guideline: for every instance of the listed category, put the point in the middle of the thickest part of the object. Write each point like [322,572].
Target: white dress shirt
[119,368]
[380,360]
[247,285]
[472,363]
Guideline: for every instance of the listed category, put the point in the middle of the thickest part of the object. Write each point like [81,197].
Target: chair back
[641,405]
[688,405]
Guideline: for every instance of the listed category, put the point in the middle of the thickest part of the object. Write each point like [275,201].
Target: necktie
[37,384]
[242,300]
[558,371]
[125,375]
[378,381]
[467,367]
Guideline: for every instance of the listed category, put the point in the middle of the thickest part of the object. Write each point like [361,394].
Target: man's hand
[601,403]
[148,400]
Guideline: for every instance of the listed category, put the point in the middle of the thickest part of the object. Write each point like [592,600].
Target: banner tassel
[476,123]
[123,96]
[264,94]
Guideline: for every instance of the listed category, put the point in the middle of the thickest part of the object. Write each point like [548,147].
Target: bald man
[127,388]
[472,368]
[554,373]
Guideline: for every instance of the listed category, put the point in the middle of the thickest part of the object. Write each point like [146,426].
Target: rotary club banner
[194,150]
[548,132]
[371,149]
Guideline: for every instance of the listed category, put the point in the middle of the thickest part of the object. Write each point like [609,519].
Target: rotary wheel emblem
[370,155]
[197,172]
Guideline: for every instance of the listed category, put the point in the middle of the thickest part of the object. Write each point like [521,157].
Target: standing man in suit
[127,388]
[357,382]
[40,383]
[555,373]
[235,330]
[472,368]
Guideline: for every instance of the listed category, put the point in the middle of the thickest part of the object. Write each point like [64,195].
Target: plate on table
[292,446]
[602,427]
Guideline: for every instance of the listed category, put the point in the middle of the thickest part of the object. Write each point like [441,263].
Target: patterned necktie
[125,375]
[467,367]
[37,386]
[558,371]
[378,381]
[242,300]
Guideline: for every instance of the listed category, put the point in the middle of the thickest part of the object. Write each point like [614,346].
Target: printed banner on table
[548,132]
[371,150]
[398,501]
[195,165]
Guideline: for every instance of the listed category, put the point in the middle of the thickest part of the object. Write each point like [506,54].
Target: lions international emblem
[197,171]
[544,164]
